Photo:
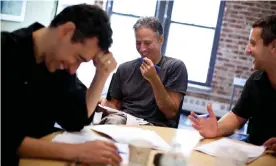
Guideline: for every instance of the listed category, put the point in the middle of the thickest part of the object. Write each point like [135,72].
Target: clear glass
[135,7]
[193,46]
[203,13]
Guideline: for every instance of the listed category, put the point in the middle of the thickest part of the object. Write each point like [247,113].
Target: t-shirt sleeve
[71,104]
[177,78]
[243,108]
[115,90]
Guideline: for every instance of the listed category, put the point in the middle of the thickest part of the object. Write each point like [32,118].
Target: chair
[179,112]
[237,83]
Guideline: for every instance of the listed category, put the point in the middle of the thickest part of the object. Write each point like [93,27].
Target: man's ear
[161,39]
[66,30]
[274,46]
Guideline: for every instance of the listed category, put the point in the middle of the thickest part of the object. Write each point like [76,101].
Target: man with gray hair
[151,87]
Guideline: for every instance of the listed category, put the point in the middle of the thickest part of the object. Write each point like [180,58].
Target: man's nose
[248,50]
[142,48]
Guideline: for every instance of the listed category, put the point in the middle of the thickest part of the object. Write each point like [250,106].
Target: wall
[42,11]
[231,60]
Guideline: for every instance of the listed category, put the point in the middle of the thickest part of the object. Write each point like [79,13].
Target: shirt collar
[35,26]
[259,76]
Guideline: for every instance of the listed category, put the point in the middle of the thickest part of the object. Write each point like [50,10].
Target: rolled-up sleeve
[177,78]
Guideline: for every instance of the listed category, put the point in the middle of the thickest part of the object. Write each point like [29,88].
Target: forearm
[162,98]
[229,123]
[94,92]
[36,148]
[112,103]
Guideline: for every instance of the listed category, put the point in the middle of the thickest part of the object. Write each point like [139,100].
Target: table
[188,137]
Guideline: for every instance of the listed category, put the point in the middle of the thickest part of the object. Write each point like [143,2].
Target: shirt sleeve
[71,103]
[115,90]
[12,112]
[243,107]
[177,78]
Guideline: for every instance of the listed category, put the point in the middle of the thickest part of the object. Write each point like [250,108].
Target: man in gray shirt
[151,87]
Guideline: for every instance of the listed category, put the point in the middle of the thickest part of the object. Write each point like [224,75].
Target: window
[191,32]
[192,36]
[123,15]
[64,3]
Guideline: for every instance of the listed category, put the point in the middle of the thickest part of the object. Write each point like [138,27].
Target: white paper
[78,137]
[252,151]
[126,134]
[124,153]
[87,135]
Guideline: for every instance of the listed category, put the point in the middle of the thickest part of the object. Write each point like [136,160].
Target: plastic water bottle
[174,157]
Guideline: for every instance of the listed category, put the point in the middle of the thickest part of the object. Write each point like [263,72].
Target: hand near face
[147,69]
[104,63]
[98,152]
[271,144]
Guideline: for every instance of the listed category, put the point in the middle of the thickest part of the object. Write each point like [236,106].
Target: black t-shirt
[257,103]
[33,98]
[136,93]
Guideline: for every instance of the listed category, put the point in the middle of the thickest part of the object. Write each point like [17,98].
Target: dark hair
[90,21]
[268,25]
[149,22]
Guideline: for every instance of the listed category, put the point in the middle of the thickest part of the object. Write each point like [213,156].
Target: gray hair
[149,22]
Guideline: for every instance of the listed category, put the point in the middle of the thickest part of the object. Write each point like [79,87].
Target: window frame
[163,11]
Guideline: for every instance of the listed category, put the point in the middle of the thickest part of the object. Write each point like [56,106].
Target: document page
[216,147]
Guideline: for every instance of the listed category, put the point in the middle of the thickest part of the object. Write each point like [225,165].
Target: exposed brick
[223,59]
[231,60]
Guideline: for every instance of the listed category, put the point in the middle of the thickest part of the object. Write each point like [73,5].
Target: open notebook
[216,148]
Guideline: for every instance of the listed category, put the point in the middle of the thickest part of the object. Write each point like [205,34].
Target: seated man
[40,86]
[258,98]
[153,86]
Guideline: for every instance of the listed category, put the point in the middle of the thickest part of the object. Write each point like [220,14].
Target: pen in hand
[156,67]
[205,116]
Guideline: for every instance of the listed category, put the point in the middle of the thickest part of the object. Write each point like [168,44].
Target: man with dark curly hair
[40,86]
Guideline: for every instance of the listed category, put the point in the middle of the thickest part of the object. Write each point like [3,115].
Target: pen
[120,152]
[206,116]
[156,67]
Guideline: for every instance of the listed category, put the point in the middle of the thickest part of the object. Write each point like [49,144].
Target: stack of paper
[78,137]
[87,135]
[253,152]
[126,134]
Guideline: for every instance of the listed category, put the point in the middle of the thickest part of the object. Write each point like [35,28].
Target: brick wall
[231,60]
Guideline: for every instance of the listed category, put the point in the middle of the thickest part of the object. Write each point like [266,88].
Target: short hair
[90,21]
[268,25]
[149,22]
